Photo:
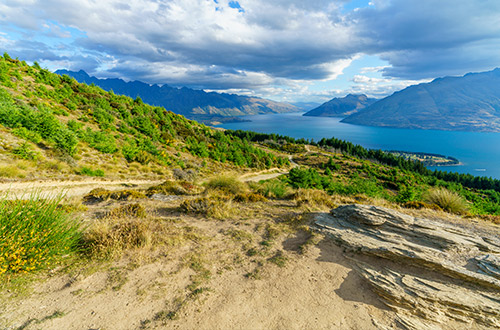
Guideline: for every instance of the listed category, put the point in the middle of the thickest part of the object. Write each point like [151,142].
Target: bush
[23,133]
[90,172]
[34,234]
[446,200]
[25,151]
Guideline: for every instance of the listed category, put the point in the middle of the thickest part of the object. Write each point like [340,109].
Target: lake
[479,152]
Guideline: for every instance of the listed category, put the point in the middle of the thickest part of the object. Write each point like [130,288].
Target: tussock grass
[227,184]
[100,194]
[273,189]
[447,200]
[174,188]
[313,199]
[135,210]
[10,171]
[35,233]
[110,236]
[214,206]
[249,198]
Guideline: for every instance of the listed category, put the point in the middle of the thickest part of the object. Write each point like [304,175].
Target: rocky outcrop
[431,271]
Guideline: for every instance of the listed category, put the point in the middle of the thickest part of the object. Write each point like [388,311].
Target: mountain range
[341,107]
[467,103]
[195,104]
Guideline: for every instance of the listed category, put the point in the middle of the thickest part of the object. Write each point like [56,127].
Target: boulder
[433,270]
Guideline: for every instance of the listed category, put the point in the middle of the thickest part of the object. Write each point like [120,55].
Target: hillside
[341,107]
[468,103]
[194,104]
[142,219]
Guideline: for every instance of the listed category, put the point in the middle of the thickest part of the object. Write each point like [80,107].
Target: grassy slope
[55,126]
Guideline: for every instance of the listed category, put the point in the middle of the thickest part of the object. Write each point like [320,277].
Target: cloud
[255,46]
[425,38]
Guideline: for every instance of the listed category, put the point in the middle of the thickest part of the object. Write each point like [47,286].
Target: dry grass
[227,184]
[447,200]
[101,194]
[135,210]
[249,197]
[313,199]
[174,188]
[213,206]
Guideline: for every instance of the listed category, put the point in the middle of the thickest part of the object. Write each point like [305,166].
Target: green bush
[90,172]
[23,133]
[25,151]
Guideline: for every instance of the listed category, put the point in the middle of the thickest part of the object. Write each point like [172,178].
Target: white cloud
[267,47]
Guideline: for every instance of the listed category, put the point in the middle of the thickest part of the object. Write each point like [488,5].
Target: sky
[284,50]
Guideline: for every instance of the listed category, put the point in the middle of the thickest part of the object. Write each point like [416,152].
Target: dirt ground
[224,275]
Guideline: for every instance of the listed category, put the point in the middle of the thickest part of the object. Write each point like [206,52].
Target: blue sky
[286,50]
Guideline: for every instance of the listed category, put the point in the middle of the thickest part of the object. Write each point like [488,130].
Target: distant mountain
[468,103]
[185,101]
[341,107]
[306,106]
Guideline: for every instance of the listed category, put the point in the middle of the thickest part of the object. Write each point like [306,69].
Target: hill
[194,104]
[341,107]
[144,219]
[468,103]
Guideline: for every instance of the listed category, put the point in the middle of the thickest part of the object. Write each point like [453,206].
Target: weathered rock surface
[433,271]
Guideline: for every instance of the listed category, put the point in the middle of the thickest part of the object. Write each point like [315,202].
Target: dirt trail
[68,187]
[265,175]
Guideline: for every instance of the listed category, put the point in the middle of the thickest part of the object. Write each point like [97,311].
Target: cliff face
[341,107]
[468,103]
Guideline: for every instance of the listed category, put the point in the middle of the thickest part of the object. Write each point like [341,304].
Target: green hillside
[58,126]
[54,127]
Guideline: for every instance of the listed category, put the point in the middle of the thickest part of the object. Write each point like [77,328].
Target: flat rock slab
[460,277]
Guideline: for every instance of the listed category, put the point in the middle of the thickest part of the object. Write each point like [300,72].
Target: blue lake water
[479,152]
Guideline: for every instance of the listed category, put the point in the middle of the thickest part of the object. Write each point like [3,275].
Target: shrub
[227,184]
[23,133]
[447,200]
[25,151]
[188,175]
[90,172]
[35,233]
